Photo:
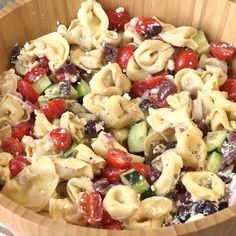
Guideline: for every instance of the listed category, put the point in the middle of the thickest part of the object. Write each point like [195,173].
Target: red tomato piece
[61,139]
[91,207]
[33,75]
[113,174]
[186,59]
[118,158]
[148,27]
[27,91]
[222,51]
[17,164]
[115,226]
[230,87]
[143,169]
[124,54]
[44,63]
[12,145]
[54,108]
[107,219]
[139,87]
[20,130]
[117,18]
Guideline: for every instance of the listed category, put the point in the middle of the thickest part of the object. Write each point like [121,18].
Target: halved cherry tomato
[27,91]
[143,169]
[186,59]
[115,226]
[43,61]
[117,18]
[139,87]
[118,158]
[124,54]
[107,219]
[54,108]
[148,27]
[222,51]
[61,139]
[91,207]
[17,164]
[20,130]
[113,174]
[230,87]
[12,145]
[33,75]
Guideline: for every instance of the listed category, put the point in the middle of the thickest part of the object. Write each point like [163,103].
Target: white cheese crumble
[61,29]
[120,10]
[195,217]
[170,65]
[126,95]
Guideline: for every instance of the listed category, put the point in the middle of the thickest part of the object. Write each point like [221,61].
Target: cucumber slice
[214,162]
[45,99]
[71,152]
[137,135]
[215,139]
[82,88]
[135,180]
[202,42]
[42,84]
[54,90]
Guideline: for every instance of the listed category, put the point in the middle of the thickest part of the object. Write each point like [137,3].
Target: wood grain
[28,19]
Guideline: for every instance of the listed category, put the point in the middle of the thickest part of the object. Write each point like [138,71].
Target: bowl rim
[31,217]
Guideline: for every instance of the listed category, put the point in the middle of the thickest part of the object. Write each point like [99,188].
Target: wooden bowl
[28,19]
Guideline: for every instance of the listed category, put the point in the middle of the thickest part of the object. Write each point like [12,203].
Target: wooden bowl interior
[28,19]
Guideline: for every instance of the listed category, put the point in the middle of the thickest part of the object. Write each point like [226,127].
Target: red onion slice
[231,137]
[232,198]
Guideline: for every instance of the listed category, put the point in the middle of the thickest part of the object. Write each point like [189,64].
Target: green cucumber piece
[214,162]
[82,88]
[45,99]
[54,90]
[135,180]
[137,135]
[71,152]
[41,84]
[215,139]
[202,42]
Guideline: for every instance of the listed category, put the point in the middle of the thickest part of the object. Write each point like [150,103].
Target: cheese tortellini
[8,82]
[172,164]
[181,37]
[110,81]
[204,185]
[121,202]
[34,186]
[152,55]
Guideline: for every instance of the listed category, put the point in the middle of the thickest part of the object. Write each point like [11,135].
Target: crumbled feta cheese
[195,217]
[99,126]
[120,10]
[152,188]
[170,65]
[61,29]
[126,95]
[134,21]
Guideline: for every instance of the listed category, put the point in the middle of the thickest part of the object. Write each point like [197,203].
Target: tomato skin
[54,109]
[33,75]
[91,207]
[186,59]
[17,164]
[222,51]
[113,174]
[43,61]
[148,27]
[118,158]
[114,226]
[20,130]
[124,54]
[139,87]
[230,87]
[117,20]
[143,169]
[13,146]
[61,139]
[27,91]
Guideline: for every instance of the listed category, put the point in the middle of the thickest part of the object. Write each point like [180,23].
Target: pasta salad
[119,123]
